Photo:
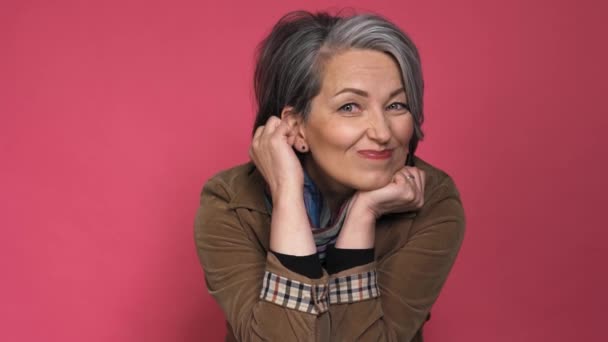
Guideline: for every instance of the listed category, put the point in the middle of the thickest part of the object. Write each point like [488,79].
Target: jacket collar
[249,186]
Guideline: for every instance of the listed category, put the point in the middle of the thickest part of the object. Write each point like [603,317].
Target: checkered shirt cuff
[353,288]
[309,298]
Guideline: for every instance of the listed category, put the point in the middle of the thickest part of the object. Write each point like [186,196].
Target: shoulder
[442,204]
[217,195]
[438,184]
[228,180]
[242,186]
[227,201]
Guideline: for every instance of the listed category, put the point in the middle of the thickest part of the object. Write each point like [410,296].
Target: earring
[303,148]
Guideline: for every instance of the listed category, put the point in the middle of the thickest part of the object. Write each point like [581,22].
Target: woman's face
[360,109]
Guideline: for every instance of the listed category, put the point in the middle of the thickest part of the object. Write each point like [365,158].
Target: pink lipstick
[373,154]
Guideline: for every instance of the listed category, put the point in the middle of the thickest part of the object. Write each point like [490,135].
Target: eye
[399,106]
[348,108]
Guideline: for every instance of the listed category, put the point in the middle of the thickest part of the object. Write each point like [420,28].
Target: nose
[379,128]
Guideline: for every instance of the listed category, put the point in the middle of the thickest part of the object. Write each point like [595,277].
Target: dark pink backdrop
[114,113]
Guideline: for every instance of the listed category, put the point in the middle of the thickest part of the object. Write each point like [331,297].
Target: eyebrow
[365,94]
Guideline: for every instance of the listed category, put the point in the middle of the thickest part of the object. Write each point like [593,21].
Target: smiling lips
[371,154]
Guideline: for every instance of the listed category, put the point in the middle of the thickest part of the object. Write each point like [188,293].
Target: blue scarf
[325,225]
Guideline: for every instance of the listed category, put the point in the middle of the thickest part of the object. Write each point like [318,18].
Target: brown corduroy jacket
[414,253]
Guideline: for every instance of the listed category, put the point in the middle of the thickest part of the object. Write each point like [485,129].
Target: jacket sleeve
[409,280]
[261,299]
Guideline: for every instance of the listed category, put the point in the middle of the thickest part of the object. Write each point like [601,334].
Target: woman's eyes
[348,108]
[398,106]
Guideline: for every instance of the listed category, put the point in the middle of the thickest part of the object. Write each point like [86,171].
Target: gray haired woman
[334,230]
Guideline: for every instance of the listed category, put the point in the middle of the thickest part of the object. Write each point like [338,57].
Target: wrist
[360,218]
[290,231]
[358,231]
[361,211]
[289,191]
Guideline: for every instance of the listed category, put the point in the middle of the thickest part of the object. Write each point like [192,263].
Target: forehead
[369,70]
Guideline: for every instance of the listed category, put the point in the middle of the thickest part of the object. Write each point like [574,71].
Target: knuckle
[409,196]
[274,140]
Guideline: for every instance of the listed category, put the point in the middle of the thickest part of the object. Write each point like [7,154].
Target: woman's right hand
[272,153]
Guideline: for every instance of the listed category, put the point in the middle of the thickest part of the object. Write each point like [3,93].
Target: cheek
[403,131]
[335,137]
[403,128]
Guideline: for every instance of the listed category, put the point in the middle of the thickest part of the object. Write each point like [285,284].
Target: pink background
[113,114]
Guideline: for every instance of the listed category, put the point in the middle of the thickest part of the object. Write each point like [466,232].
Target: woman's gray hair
[291,58]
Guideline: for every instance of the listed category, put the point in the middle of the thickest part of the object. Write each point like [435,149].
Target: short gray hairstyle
[291,58]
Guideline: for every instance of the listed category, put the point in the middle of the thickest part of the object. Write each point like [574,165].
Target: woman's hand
[404,193]
[272,153]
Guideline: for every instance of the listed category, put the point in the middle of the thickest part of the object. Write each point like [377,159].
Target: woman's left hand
[404,193]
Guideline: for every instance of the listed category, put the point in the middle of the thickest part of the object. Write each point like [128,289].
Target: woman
[334,231]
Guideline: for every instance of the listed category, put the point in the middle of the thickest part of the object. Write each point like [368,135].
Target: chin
[372,182]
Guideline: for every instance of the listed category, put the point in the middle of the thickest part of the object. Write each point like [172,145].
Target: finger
[271,125]
[418,181]
[255,141]
[283,128]
[411,173]
[405,180]
[400,178]
[280,131]
[258,132]
[408,175]
[291,138]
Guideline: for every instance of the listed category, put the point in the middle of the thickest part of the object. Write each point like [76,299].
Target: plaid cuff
[293,294]
[353,288]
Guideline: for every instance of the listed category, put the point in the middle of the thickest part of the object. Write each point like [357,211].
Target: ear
[296,122]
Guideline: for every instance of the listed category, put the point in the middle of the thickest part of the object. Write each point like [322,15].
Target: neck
[334,193]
